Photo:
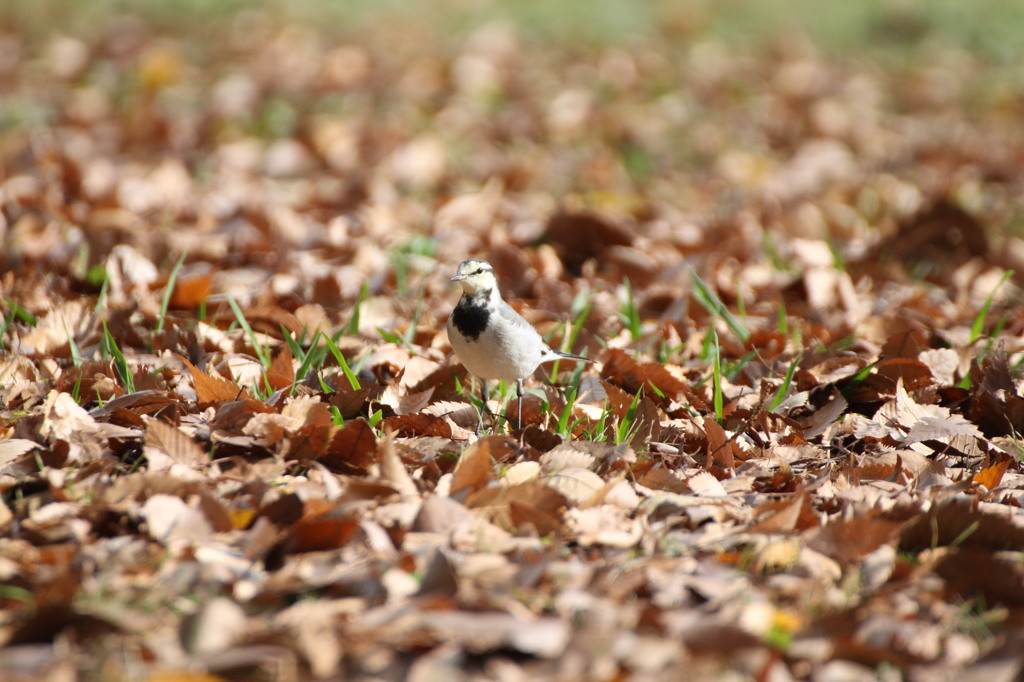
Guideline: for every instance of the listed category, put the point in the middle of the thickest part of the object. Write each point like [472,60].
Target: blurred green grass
[992,30]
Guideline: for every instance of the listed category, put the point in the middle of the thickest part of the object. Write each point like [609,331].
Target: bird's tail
[568,356]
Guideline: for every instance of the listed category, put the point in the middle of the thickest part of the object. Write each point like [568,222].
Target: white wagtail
[491,339]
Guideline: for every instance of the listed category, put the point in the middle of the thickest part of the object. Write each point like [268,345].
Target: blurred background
[242,132]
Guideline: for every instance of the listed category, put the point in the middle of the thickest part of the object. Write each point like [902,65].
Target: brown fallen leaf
[409,425]
[281,373]
[475,468]
[784,516]
[319,534]
[352,449]
[166,445]
[721,448]
[517,508]
[191,290]
[848,540]
[210,389]
[991,475]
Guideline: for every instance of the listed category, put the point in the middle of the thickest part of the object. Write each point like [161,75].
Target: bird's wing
[515,320]
[509,316]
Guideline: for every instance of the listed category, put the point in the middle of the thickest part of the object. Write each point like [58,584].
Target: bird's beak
[458,278]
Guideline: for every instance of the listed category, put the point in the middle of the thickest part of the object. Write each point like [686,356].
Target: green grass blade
[101,300]
[349,374]
[563,419]
[109,346]
[391,337]
[858,378]
[18,312]
[76,391]
[780,395]
[717,379]
[375,418]
[353,324]
[783,319]
[732,369]
[582,304]
[965,533]
[714,305]
[579,311]
[410,333]
[598,434]
[261,353]
[979,320]
[165,302]
[305,358]
[296,348]
[76,354]
[310,359]
[626,423]
[630,315]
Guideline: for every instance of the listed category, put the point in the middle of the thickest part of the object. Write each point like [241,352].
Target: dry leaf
[475,468]
[281,373]
[991,476]
[211,389]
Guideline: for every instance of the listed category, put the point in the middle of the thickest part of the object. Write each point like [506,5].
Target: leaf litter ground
[236,446]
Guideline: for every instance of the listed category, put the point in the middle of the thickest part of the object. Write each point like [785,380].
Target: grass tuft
[709,299]
[262,354]
[110,350]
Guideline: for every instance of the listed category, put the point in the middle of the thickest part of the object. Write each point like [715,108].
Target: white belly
[496,356]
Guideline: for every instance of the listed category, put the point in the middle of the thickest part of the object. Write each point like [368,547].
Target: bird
[490,338]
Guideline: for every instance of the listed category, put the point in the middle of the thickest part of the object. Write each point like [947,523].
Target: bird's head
[476,276]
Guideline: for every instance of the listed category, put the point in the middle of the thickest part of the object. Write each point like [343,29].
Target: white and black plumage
[491,339]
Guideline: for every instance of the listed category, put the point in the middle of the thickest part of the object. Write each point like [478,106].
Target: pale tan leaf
[943,364]
[173,444]
[13,448]
[440,515]
[521,472]
[938,428]
[565,457]
[705,484]
[393,471]
[171,521]
[605,525]
[219,623]
[578,485]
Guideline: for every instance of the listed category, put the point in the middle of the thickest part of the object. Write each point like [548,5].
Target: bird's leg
[519,404]
[483,406]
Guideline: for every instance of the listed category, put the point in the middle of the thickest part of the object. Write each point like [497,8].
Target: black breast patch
[470,318]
